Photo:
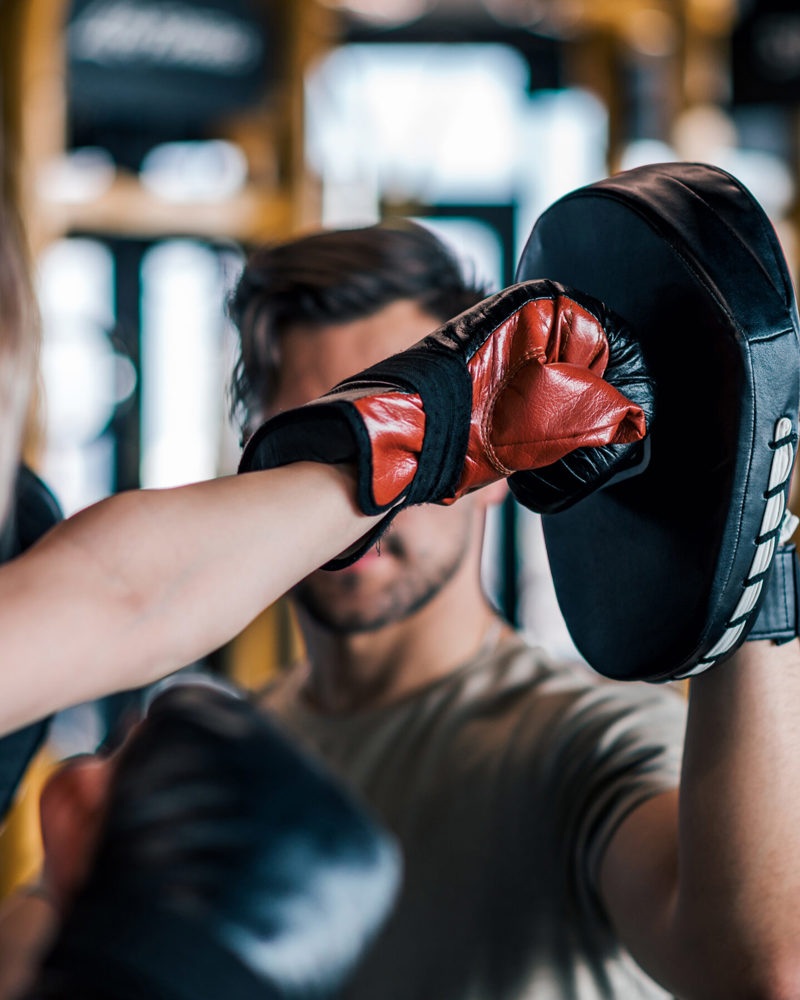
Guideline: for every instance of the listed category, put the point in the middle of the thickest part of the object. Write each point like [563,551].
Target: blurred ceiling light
[703,132]
[79,176]
[385,12]
[768,178]
[706,133]
[194,171]
[522,13]
[557,16]
[651,32]
[640,152]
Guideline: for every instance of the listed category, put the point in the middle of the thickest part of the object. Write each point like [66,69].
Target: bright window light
[446,124]
[384,12]
[183,363]
[436,122]
[641,152]
[564,146]
[475,244]
[83,377]
[194,171]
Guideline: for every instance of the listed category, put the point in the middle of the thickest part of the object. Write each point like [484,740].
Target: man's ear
[71,810]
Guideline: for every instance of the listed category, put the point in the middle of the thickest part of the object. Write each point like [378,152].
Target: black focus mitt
[663,575]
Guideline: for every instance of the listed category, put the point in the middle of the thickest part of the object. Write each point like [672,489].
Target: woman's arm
[145,582]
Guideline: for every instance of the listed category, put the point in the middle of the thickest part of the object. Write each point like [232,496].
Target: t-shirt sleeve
[611,747]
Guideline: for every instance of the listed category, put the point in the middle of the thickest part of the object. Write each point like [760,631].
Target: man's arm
[703,886]
[145,582]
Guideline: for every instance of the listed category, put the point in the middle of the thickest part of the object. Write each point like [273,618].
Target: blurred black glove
[229,865]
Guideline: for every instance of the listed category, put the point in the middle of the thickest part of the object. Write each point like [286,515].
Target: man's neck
[370,669]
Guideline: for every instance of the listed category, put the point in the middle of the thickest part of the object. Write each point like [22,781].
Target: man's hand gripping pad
[518,382]
[662,575]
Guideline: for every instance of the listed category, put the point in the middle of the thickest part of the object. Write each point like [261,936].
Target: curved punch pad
[661,575]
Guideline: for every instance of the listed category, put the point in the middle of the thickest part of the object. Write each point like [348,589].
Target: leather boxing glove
[521,381]
[229,865]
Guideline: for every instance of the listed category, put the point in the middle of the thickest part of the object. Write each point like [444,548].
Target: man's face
[425,546]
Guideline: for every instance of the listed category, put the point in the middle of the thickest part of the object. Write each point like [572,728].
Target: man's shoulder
[517,660]
[569,686]
[508,675]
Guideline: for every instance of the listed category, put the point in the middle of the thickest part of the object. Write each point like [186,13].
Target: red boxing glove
[516,383]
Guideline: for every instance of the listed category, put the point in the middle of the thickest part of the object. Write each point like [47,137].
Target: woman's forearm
[147,581]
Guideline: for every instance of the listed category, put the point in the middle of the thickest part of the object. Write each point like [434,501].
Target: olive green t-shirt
[503,781]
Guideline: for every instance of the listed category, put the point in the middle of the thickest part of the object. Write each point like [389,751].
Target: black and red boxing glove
[537,376]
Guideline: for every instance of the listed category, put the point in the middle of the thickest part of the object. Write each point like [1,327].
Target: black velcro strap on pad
[652,573]
[778,617]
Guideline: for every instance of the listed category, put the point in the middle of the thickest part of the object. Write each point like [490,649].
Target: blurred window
[476,244]
[426,121]
[442,124]
[185,363]
[135,362]
[83,376]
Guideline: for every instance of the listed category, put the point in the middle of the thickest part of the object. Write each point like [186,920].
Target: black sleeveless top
[34,510]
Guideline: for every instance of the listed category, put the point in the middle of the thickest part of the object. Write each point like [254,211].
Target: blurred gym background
[155,141]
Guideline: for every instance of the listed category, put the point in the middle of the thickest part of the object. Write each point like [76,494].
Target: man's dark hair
[335,276]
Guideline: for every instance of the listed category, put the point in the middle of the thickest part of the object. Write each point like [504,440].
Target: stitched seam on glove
[534,353]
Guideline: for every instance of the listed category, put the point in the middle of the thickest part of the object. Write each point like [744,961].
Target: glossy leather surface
[395,424]
[539,393]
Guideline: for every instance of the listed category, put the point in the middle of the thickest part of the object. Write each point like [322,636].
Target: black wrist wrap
[331,431]
[440,378]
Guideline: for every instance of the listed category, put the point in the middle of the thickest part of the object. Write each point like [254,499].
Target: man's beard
[396,600]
